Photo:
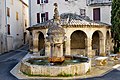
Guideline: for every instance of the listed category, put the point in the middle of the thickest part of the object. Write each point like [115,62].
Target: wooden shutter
[38,1]
[38,17]
[46,1]
[17,17]
[46,16]
[96,14]
[8,29]
[8,12]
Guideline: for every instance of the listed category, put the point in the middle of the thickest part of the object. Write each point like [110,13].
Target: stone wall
[73,69]
[78,52]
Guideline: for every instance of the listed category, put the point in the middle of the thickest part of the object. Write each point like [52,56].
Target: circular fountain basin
[41,66]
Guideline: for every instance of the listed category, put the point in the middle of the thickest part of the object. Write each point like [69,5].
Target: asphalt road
[10,59]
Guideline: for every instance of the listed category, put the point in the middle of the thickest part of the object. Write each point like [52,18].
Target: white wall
[3,47]
[67,7]
[105,13]
[64,7]
[15,39]
[15,25]
[26,17]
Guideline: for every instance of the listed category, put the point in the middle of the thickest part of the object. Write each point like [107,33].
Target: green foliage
[64,75]
[38,75]
[115,20]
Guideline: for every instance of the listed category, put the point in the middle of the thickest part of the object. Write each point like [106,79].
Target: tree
[115,21]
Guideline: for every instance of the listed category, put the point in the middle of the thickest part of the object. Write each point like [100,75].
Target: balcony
[99,2]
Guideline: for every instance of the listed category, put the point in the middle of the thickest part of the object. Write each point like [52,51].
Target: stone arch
[41,41]
[38,36]
[78,42]
[97,39]
[71,32]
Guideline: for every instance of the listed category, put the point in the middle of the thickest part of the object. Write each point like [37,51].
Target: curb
[18,74]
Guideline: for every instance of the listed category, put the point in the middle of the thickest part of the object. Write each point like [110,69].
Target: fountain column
[47,48]
[58,50]
[56,37]
[67,46]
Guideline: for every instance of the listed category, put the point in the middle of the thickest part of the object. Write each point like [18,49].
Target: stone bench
[100,61]
[113,56]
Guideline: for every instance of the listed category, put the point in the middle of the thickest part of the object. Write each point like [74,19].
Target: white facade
[2,26]
[13,24]
[105,9]
[70,6]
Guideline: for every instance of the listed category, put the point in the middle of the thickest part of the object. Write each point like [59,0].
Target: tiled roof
[71,19]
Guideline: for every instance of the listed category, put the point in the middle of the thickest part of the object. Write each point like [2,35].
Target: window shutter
[46,16]
[96,14]
[8,29]
[38,1]
[38,17]
[17,16]
[46,1]
[8,12]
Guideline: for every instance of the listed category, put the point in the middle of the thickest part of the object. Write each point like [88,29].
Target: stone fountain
[56,64]
[56,37]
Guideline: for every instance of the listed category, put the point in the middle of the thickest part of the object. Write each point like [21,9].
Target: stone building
[83,37]
[97,10]
[14,19]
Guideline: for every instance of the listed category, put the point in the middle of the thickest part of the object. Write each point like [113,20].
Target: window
[8,29]
[17,16]
[38,17]
[38,1]
[44,17]
[82,12]
[42,1]
[8,12]
[96,14]
[25,23]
